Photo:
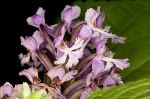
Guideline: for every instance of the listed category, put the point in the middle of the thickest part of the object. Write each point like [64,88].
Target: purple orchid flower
[111,80]
[104,62]
[94,20]
[31,74]
[70,13]
[60,73]
[6,90]
[37,19]
[31,43]
[67,15]
[73,55]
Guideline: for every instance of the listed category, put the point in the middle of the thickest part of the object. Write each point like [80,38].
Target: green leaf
[130,19]
[132,90]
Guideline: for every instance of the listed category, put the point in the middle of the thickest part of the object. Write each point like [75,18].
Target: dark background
[13,25]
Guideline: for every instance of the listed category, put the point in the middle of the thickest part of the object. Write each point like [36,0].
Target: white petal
[61,60]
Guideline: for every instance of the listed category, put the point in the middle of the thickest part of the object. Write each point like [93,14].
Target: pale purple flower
[104,61]
[31,74]
[74,53]
[119,63]
[94,20]
[70,13]
[37,19]
[111,80]
[67,15]
[59,72]
[24,58]
[29,42]
[6,89]
[56,71]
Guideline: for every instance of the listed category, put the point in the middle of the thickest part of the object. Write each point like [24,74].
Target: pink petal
[97,67]
[85,32]
[56,71]
[68,76]
[29,42]
[30,73]
[6,89]
[38,37]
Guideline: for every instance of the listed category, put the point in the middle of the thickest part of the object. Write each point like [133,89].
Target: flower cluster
[72,55]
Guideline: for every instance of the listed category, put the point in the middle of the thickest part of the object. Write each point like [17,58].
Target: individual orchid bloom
[37,19]
[70,13]
[31,74]
[94,21]
[6,90]
[59,72]
[74,53]
[24,58]
[29,42]
[119,63]
[94,18]
[32,43]
[67,15]
[111,80]
[104,61]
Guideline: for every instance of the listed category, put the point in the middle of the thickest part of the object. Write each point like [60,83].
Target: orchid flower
[6,90]
[31,74]
[37,19]
[31,43]
[104,62]
[67,15]
[111,80]
[70,13]
[74,53]
[59,72]
[94,21]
